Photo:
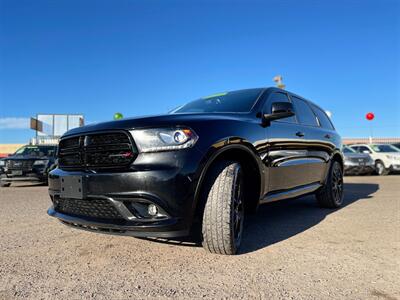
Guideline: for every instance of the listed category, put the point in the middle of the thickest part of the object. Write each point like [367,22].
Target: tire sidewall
[380,168]
[336,202]
[219,222]
[238,179]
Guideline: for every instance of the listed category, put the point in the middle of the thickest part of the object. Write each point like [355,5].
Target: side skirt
[292,193]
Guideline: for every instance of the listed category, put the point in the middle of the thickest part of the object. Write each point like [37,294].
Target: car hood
[25,157]
[356,155]
[157,121]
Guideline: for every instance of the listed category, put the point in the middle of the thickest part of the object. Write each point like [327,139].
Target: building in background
[48,130]
[50,127]
[375,140]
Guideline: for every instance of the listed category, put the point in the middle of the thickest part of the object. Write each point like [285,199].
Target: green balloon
[118,116]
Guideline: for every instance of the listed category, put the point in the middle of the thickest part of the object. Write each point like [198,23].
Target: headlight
[164,139]
[40,162]
[2,163]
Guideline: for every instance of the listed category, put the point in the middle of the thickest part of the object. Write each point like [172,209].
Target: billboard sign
[55,125]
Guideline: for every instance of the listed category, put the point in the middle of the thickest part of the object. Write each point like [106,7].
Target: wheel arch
[335,156]
[245,154]
[338,157]
[379,159]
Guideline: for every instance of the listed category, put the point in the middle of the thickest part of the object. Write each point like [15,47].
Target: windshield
[38,151]
[348,150]
[234,102]
[384,148]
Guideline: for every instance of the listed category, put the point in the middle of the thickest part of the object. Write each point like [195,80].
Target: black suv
[29,163]
[203,166]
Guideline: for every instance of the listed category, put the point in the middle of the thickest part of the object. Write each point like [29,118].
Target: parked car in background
[385,156]
[201,168]
[357,163]
[2,163]
[29,163]
[397,145]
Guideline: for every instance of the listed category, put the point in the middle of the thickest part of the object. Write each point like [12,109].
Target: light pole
[370,116]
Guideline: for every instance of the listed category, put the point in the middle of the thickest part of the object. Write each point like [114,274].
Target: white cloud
[14,123]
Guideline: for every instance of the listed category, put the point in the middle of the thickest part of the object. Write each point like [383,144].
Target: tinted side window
[361,149]
[278,97]
[304,113]
[323,118]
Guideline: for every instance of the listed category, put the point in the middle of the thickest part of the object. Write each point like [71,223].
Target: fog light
[152,210]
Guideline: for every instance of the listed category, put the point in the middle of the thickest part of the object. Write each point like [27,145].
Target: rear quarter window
[324,120]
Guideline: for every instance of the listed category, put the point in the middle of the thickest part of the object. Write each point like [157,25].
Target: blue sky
[147,57]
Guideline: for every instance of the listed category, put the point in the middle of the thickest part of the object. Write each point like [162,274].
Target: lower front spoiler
[160,229]
[355,170]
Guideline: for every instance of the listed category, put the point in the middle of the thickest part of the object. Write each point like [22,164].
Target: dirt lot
[292,249]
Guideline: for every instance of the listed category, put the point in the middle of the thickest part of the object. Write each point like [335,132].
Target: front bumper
[395,167]
[169,186]
[357,168]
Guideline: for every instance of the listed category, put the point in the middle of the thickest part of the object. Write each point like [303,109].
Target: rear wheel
[331,194]
[380,168]
[224,210]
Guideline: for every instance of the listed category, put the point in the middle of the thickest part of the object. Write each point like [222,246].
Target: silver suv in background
[357,163]
[385,156]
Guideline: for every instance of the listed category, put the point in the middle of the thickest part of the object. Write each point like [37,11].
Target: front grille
[359,160]
[95,151]
[95,208]
[24,165]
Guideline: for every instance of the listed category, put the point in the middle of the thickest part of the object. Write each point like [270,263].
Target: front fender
[215,151]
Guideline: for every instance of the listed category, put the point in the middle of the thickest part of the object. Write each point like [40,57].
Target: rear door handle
[300,134]
[327,136]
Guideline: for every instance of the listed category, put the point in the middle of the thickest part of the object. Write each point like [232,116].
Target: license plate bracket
[72,187]
[17,173]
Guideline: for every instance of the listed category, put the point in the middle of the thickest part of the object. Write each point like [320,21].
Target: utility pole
[279,81]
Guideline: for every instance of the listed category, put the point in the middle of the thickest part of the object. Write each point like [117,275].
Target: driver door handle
[327,136]
[300,134]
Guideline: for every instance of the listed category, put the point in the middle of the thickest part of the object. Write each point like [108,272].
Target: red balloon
[370,116]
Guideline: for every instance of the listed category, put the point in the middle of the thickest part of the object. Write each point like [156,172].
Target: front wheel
[380,168]
[331,194]
[224,210]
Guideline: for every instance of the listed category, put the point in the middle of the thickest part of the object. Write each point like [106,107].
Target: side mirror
[279,110]
[366,152]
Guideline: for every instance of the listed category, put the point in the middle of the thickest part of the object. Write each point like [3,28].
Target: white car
[386,157]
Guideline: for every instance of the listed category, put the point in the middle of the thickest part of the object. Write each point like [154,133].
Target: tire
[331,194]
[380,168]
[223,214]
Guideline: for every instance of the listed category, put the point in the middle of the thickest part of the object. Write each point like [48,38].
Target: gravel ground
[292,250]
